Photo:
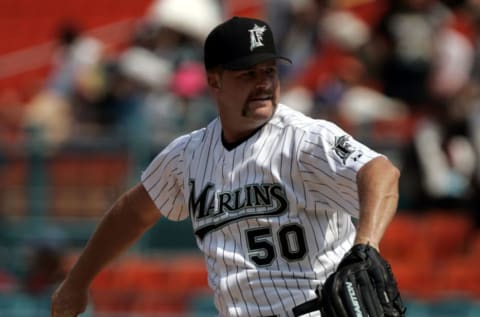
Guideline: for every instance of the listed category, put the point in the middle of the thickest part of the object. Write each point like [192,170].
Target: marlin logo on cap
[240,43]
[256,36]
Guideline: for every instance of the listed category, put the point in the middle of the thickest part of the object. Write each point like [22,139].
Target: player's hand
[363,285]
[69,300]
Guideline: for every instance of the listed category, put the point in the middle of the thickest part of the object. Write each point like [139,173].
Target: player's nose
[264,81]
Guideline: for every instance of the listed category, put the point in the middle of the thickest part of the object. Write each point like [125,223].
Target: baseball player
[271,194]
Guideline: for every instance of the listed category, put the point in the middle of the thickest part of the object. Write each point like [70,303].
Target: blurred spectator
[454,52]
[88,96]
[124,82]
[180,26]
[53,112]
[173,36]
[404,44]
[184,107]
[51,115]
[336,79]
[11,113]
[296,31]
[442,165]
[323,74]
[75,55]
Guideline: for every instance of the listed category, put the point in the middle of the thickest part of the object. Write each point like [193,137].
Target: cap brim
[252,60]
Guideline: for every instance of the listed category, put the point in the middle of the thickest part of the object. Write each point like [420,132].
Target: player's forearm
[121,226]
[378,198]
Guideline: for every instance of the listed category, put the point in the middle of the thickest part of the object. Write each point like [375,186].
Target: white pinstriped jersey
[272,216]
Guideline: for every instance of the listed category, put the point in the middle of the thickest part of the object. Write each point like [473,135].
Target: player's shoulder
[287,117]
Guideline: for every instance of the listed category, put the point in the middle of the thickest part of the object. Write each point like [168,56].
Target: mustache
[261,95]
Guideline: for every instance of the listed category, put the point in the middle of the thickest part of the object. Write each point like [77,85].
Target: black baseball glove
[363,285]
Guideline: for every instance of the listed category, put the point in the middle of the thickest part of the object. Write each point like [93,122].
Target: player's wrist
[77,281]
[367,241]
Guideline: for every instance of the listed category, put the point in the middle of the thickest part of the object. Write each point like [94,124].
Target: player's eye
[271,70]
[248,74]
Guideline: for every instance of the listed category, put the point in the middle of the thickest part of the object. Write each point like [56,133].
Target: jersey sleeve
[329,160]
[163,180]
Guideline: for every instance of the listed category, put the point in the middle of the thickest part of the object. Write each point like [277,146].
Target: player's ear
[214,79]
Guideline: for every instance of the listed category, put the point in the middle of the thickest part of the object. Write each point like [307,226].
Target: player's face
[247,98]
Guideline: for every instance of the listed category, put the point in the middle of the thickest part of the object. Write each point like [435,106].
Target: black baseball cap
[240,43]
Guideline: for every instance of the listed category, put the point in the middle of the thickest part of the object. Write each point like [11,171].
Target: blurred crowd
[401,75]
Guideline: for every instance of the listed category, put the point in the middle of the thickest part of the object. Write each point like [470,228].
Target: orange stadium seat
[251,8]
[14,173]
[408,250]
[461,277]
[13,188]
[404,240]
[415,279]
[187,274]
[110,291]
[149,286]
[448,231]
[96,169]
[85,186]
[154,303]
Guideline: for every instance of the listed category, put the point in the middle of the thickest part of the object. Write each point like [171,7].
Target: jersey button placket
[227,166]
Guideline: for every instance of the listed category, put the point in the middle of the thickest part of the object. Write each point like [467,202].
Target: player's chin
[260,108]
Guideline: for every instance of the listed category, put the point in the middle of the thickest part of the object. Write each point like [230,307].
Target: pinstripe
[261,158]
[265,294]
[211,261]
[221,236]
[203,157]
[327,193]
[303,190]
[250,174]
[325,170]
[175,196]
[288,172]
[272,167]
[324,231]
[212,251]
[331,229]
[166,164]
[292,184]
[237,269]
[322,234]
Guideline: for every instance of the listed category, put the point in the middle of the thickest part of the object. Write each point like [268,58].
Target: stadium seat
[474,245]
[202,305]
[417,308]
[22,305]
[415,279]
[404,240]
[85,186]
[448,232]
[156,304]
[461,276]
[188,274]
[450,307]
[13,188]
[474,310]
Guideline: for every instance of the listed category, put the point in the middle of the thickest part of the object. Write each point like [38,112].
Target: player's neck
[231,142]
